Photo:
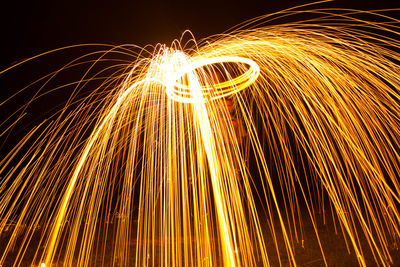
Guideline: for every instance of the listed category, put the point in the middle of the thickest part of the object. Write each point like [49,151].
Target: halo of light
[182,93]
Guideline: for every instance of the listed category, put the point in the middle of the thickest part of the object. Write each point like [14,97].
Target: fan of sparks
[211,153]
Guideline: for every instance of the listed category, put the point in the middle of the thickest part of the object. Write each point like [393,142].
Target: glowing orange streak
[197,95]
[67,196]
[210,148]
[222,89]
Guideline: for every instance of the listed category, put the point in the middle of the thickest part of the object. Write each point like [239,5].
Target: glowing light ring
[181,93]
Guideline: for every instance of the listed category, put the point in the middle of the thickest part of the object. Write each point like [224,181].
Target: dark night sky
[31,27]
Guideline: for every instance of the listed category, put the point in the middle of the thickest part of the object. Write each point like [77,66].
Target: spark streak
[163,163]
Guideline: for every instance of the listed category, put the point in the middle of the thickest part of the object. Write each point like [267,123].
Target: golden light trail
[185,94]
[214,153]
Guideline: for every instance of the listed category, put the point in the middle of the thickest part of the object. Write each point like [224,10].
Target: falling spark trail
[164,161]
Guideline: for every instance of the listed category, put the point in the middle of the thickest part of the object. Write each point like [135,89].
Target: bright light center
[180,91]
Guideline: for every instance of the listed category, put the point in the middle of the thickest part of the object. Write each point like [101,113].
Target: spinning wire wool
[213,153]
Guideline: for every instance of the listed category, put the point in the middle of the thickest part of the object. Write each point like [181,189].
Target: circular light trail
[182,93]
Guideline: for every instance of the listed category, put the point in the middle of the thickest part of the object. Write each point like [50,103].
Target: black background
[31,27]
